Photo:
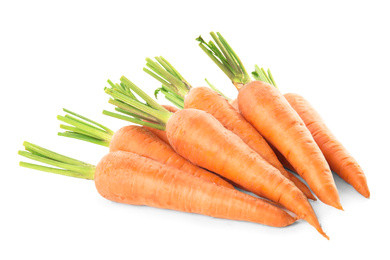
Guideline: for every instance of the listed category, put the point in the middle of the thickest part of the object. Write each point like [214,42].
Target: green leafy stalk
[85,129]
[173,83]
[218,91]
[63,165]
[223,55]
[174,99]
[261,75]
[150,113]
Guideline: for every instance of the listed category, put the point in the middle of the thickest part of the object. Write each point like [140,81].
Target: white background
[55,55]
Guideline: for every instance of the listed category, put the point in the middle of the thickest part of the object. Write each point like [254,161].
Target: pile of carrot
[259,158]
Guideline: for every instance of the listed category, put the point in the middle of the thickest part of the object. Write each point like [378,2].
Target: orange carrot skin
[160,133]
[206,99]
[136,139]
[269,112]
[283,160]
[339,159]
[132,179]
[202,139]
[234,104]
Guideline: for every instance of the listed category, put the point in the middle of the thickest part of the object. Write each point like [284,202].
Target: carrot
[339,159]
[269,112]
[132,179]
[135,139]
[203,98]
[202,139]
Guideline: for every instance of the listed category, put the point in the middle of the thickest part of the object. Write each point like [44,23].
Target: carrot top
[261,75]
[225,58]
[85,129]
[174,86]
[148,113]
[63,165]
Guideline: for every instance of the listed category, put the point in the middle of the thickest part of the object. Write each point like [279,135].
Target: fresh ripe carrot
[202,139]
[269,112]
[339,159]
[208,100]
[160,133]
[132,179]
[135,139]
[336,155]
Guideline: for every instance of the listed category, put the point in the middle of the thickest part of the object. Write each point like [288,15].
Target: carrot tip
[319,229]
[325,235]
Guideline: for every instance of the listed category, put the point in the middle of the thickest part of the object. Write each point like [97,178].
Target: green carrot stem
[226,59]
[138,111]
[89,120]
[150,101]
[218,91]
[72,129]
[168,76]
[178,102]
[272,78]
[171,97]
[134,111]
[53,170]
[261,75]
[43,159]
[132,119]
[65,165]
[53,155]
[85,138]
[85,129]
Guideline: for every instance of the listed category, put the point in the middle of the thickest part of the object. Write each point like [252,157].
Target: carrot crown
[225,58]
[85,129]
[147,113]
[261,75]
[63,165]
[174,86]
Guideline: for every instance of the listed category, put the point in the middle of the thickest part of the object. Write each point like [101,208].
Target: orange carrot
[135,139]
[339,159]
[203,140]
[269,112]
[203,98]
[132,179]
